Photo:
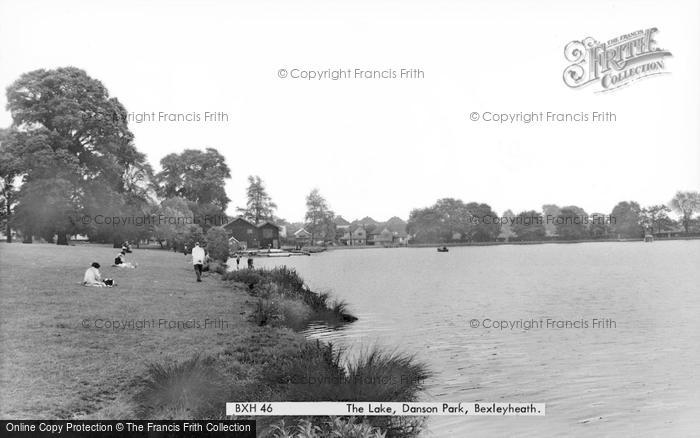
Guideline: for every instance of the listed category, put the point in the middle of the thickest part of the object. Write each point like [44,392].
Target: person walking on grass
[238,261]
[250,261]
[198,257]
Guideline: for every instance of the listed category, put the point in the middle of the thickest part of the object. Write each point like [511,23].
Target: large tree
[686,204]
[195,175]
[259,206]
[424,225]
[319,217]
[571,223]
[485,226]
[66,130]
[626,219]
[451,220]
[655,217]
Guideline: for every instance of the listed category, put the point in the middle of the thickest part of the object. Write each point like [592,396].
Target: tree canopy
[198,176]
[68,135]
[259,206]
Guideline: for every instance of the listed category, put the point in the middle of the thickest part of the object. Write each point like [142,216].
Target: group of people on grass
[93,277]
[200,260]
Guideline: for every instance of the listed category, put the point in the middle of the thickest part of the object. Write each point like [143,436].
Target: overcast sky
[383,147]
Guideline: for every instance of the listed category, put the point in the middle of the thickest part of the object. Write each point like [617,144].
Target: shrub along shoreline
[277,363]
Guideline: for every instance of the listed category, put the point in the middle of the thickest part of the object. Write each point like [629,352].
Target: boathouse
[264,235]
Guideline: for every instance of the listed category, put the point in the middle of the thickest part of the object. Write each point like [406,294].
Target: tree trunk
[62,238]
[8,228]
[27,238]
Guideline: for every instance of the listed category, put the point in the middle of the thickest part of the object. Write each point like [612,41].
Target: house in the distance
[387,238]
[248,235]
[354,236]
[341,223]
[302,237]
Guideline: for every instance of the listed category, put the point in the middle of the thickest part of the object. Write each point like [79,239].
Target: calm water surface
[640,378]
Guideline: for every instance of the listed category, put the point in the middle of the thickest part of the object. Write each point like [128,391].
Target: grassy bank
[283,299]
[161,345]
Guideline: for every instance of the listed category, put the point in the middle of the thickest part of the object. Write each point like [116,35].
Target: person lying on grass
[120,261]
[94,278]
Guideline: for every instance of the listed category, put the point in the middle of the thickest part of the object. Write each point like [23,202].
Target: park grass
[52,366]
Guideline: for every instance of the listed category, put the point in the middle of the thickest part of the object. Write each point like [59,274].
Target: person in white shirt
[93,277]
[198,258]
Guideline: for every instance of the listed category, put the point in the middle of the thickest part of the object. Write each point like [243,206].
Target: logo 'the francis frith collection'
[615,63]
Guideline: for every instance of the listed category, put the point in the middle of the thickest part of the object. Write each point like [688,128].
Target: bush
[217,244]
[266,312]
[193,234]
[337,427]
[218,267]
[316,372]
[250,277]
[190,389]
[286,283]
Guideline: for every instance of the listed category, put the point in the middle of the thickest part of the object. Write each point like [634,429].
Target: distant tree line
[453,221]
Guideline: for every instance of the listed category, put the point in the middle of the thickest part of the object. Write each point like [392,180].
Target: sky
[381,147]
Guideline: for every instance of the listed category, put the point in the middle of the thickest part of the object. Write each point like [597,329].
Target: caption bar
[118,428]
[382,409]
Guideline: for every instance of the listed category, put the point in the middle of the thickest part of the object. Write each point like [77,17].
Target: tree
[171,221]
[319,218]
[571,223]
[196,176]
[454,219]
[550,211]
[507,232]
[484,225]
[425,226]
[451,220]
[655,217]
[193,234]
[529,226]
[66,128]
[47,208]
[686,204]
[259,206]
[217,244]
[10,172]
[207,215]
[625,219]
[599,225]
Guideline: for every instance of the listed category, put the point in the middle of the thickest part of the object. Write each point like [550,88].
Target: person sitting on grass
[94,278]
[120,261]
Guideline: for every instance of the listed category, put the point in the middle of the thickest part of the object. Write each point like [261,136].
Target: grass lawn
[54,362]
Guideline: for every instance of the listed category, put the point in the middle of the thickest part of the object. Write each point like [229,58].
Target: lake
[636,378]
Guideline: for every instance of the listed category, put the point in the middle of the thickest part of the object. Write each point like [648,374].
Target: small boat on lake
[443,249]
